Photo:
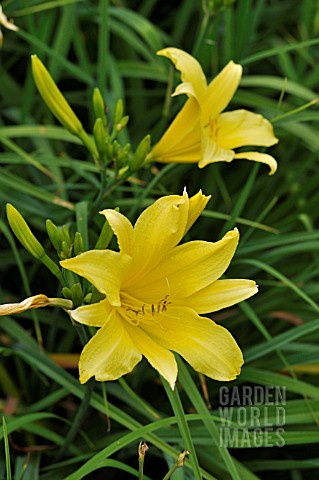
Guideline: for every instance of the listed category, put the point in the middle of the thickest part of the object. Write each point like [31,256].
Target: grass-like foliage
[262,425]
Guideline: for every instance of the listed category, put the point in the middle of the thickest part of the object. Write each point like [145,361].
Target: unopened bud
[23,233]
[54,98]
[65,250]
[78,245]
[54,235]
[141,153]
[123,156]
[100,136]
[116,148]
[77,294]
[66,292]
[118,112]
[99,106]
[122,123]
[65,235]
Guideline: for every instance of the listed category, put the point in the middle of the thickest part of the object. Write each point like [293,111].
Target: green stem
[140,467]
[170,472]
[177,407]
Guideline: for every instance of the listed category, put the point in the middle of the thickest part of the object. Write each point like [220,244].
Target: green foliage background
[57,428]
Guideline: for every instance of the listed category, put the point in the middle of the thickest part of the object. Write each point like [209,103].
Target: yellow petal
[220,91]
[157,230]
[211,152]
[122,228]
[220,294]
[94,315]
[181,141]
[109,354]
[261,158]
[189,268]
[103,268]
[159,357]
[241,127]
[197,203]
[208,348]
[191,71]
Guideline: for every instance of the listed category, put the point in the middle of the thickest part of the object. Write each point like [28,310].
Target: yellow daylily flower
[201,132]
[155,292]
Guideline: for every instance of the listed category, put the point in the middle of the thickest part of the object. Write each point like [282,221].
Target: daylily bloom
[155,292]
[200,132]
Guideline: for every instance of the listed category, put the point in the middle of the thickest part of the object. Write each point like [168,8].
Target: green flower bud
[122,123]
[118,112]
[65,250]
[54,234]
[65,235]
[78,245]
[116,148]
[100,136]
[99,106]
[54,98]
[77,294]
[123,156]
[23,233]
[66,292]
[141,153]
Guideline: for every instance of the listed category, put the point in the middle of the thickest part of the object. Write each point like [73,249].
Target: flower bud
[54,98]
[65,250]
[118,112]
[54,235]
[23,233]
[78,245]
[100,136]
[99,106]
[77,295]
[66,292]
[141,153]
[122,123]
[65,235]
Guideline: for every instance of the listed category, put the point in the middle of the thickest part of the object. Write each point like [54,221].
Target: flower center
[213,127]
[135,311]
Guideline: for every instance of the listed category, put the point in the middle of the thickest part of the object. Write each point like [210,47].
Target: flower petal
[209,348]
[220,294]
[189,268]
[157,230]
[122,228]
[159,357]
[94,315]
[211,152]
[109,354]
[103,268]
[181,141]
[220,91]
[261,158]
[241,127]
[191,71]
[197,203]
